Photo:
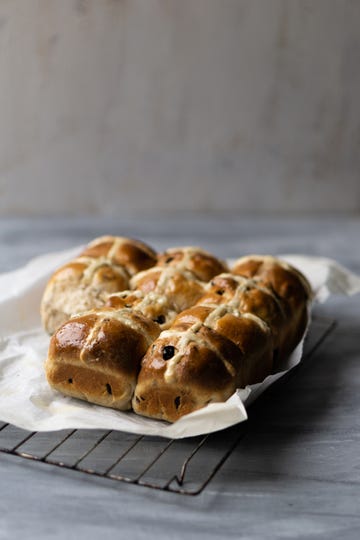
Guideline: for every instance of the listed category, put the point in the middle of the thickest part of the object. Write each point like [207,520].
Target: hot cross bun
[105,266]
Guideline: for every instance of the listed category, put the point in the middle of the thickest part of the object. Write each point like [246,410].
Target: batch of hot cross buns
[166,334]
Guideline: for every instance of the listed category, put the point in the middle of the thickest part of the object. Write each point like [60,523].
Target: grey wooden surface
[296,471]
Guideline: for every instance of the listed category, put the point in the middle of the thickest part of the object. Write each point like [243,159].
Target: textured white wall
[113,106]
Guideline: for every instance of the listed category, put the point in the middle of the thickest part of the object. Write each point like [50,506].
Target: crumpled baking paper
[27,401]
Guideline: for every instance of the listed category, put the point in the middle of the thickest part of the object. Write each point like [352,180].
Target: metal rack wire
[181,466]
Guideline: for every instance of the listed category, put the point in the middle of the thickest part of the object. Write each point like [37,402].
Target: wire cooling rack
[183,466]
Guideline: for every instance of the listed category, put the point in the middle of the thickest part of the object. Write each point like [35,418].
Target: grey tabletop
[295,472]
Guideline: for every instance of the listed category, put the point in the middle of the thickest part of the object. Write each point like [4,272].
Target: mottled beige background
[129,106]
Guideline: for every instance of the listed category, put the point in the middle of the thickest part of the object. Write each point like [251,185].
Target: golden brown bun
[248,332]
[250,296]
[287,282]
[215,352]
[204,372]
[174,285]
[96,356]
[131,254]
[104,267]
[289,285]
[201,263]
[180,286]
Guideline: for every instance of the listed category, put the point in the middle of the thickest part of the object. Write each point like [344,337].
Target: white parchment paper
[27,401]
